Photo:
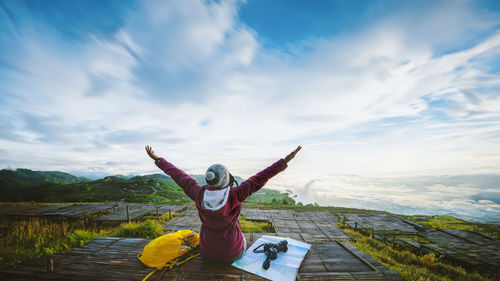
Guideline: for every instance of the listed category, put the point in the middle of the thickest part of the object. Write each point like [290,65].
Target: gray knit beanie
[217,176]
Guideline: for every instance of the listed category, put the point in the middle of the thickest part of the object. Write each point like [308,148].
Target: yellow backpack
[170,250]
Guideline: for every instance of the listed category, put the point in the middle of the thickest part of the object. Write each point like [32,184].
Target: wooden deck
[100,211]
[63,210]
[380,223]
[267,215]
[312,227]
[466,247]
[115,259]
[189,219]
[137,210]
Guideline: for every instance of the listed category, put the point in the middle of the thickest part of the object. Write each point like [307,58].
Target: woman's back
[220,235]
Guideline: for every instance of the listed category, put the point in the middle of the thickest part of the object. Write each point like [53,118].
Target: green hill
[28,177]
[270,196]
[38,186]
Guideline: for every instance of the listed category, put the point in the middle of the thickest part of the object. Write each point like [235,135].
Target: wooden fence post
[50,264]
[128,213]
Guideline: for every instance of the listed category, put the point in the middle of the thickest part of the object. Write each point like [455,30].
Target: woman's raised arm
[188,184]
[151,153]
[254,183]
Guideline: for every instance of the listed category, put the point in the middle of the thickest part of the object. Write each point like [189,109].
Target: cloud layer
[472,197]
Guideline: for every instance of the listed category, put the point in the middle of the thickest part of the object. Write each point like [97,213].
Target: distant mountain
[485,219]
[137,189]
[123,176]
[92,175]
[29,177]
[162,177]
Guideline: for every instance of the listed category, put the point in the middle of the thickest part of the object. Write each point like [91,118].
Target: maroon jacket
[220,235]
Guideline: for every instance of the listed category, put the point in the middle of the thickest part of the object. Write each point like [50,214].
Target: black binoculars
[271,250]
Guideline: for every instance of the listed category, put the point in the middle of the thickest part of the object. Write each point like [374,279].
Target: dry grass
[254,226]
[34,237]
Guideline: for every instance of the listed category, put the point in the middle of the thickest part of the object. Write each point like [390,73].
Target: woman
[219,204]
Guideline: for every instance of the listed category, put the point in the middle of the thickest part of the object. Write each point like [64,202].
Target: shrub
[428,259]
[147,229]
[80,237]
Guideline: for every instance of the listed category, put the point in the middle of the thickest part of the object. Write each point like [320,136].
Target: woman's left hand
[292,154]
[151,153]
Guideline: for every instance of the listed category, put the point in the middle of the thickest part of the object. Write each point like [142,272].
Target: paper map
[283,268]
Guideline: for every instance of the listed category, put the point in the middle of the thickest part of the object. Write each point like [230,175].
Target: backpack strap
[185,240]
[182,259]
[178,261]
[191,246]
[149,275]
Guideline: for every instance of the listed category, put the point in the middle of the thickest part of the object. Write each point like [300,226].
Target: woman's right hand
[151,153]
[292,154]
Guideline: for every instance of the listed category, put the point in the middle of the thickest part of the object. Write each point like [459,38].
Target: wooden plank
[379,222]
[345,276]
[468,248]
[364,257]
[135,211]
[471,236]
[200,265]
[339,276]
[309,230]
[80,210]
[37,210]
[286,225]
[331,231]
[87,210]
[195,276]
[62,210]
[318,216]
[336,258]
[189,219]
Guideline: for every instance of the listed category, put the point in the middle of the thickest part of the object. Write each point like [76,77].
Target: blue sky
[368,88]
